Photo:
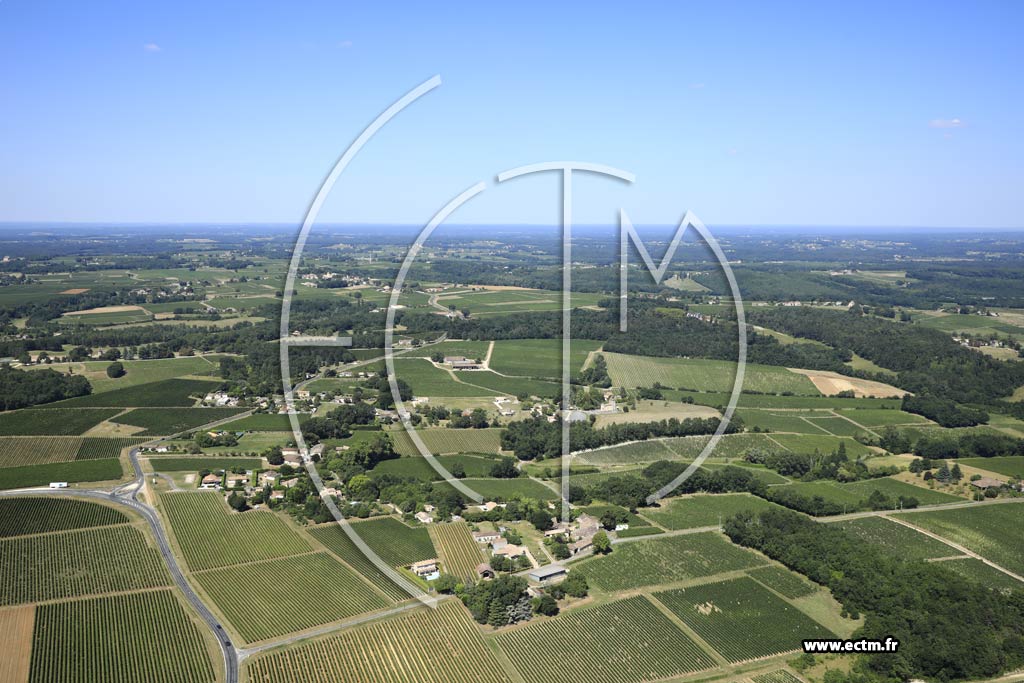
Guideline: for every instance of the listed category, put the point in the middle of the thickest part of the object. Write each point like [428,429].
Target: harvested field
[16,624]
[831,383]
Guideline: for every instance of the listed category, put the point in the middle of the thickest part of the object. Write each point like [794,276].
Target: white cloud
[151,47]
[946,123]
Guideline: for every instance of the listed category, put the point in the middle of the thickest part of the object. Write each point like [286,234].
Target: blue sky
[816,114]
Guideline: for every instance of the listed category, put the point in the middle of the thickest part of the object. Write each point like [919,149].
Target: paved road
[126,495]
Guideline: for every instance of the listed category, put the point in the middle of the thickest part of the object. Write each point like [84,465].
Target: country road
[126,495]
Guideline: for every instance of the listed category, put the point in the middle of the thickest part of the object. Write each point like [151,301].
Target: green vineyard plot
[621,642]
[77,563]
[304,591]
[741,619]
[425,646]
[53,421]
[663,560]
[896,539]
[211,536]
[23,516]
[136,638]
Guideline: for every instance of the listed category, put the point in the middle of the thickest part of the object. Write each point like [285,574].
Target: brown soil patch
[831,383]
[107,309]
[16,624]
[76,290]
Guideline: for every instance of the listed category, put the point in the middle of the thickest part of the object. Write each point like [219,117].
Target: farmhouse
[424,517]
[509,550]
[424,568]
[988,483]
[552,571]
[269,477]
[486,536]
[290,483]
[291,456]
[210,481]
[581,546]
[461,363]
[484,571]
[235,480]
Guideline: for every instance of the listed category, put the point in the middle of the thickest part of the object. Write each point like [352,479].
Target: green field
[53,421]
[429,380]
[780,676]
[165,464]
[447,441]
[774,402]
[665,560]
[76,563]
[1007,465]
[795,421]
[741,619]
[703,375]
[264,422]
[396,543]
[210,536]
[70,472]
[507,489]
[490,383]
[704,510]
[627,641]
[417,467]
[881,418]
[163,394]
[992,531]
[166,421]
[135,638]
[788,584]
[138,371]
[338,542]
[423,646]
[457,550]
[21,516]
[305,591]
[19,451]
[976,570]
[895,539]
[539,357]
[822,443]
[474,350]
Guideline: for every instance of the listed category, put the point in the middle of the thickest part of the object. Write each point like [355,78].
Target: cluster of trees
[949,628]
[631,491]
[926,361]
[499,602]
[976,445]
[597,374]
[21,388]
[337,424]
[836,465]
[944,411]
[539,439]
[819,506]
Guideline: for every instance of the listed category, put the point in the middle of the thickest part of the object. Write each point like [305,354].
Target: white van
[58,484]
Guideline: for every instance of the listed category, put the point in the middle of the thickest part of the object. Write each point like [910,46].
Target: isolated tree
[115,370]
[237,501]
[602,544]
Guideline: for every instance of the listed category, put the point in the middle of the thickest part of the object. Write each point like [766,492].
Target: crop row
[211,536]
[620,642]
[304,591]
[20,516]
[459,553]
[741,619]
[135,638]
[663,560]
[426,646]
[75,563]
